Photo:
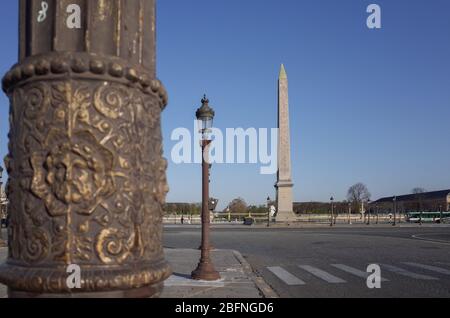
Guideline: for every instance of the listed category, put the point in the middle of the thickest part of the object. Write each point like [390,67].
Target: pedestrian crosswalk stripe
[407,273]
[354,271]
[285,276]
[436,269]
[322,274]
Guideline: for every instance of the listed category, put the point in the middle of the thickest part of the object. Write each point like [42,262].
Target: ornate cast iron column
[87,175]
[2,207]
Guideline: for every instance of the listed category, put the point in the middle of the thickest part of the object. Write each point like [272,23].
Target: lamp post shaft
[395,212]
[377,213]
[205,207]
[349,212]
[205,269]
[332,213]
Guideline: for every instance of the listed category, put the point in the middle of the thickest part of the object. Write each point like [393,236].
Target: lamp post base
[211,248]
[205,271]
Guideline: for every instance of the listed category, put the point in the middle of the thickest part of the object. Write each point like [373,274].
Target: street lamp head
[331,199]
[268,199]
[205,116]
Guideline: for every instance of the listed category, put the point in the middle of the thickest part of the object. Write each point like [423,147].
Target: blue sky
[368,106]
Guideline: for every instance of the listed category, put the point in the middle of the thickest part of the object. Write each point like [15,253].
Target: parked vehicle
[249,221]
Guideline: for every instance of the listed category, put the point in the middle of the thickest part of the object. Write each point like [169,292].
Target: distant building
[425,202]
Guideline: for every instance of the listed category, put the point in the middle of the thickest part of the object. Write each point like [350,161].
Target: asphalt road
[324,262]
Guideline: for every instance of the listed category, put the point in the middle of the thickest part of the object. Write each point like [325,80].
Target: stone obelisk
[284,177]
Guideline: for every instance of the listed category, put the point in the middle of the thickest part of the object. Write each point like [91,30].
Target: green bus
[426,217]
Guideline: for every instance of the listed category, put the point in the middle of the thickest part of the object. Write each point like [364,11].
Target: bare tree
[418,190]
[358,193]
[418,193]
[238,206]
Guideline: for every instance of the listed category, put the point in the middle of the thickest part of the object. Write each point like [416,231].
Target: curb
[260,283]
[343,226]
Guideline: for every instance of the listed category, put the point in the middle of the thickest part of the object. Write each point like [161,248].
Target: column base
[286,217]
[138,281]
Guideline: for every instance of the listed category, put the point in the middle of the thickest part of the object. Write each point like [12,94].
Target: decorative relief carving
[87,178]
[84,66]
[110,100]
[76,175]
[36,247]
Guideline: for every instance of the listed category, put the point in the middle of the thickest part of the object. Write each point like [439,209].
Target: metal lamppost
[336,215]
[205,269]
[349,212]
[2,242]
[395,210]
[368,212]
[420,214]
[377,211]
[268,211]
[332,211]
[440,213]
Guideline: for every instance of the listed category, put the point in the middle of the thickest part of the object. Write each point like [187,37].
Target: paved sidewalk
[237,277]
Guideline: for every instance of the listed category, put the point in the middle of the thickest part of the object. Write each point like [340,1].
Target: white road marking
[322,274]
[436,269]
[429,240]
[404,272]
[354,271]
[285,276]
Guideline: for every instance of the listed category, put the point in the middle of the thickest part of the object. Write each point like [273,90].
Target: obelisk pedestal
[284,183]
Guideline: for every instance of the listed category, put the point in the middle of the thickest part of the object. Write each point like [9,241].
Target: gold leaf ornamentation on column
[113,246]
[76,172]
[110,99]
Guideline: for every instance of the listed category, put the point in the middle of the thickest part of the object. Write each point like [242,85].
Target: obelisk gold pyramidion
[87,177]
